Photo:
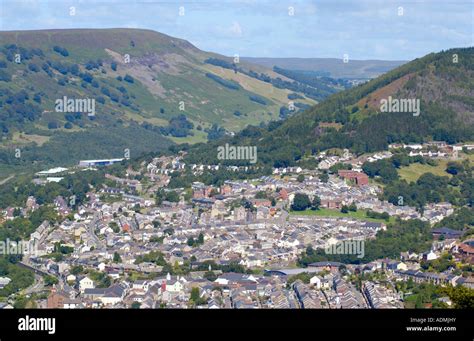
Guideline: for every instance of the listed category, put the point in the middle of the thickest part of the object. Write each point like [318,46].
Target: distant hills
[331,67]
[442,82]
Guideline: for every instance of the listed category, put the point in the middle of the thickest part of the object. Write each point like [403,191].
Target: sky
[362,29]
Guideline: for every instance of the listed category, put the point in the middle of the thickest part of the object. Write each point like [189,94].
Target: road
[37,286]
[4,181]
[91,229]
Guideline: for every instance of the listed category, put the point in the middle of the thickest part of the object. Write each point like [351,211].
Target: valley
[140,80]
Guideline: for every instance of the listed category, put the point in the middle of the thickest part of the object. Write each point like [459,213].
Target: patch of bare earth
[373,100]
[334,125]
[143,69]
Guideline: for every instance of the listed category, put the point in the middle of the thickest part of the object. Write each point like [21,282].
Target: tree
[301,202]
[117,258]
[315,203]
[33,67]
[172,196]
[53,125]
[77,269]
[273,202]
[324,177]
[50,280]
[454,168]
[195,294]
[196,298]
[304,277]
[155,239]
[462,297]
[338,166]
[344,209]
[200,239]
[352,207]
[114,226]
[191,241]
[128,78]
[61,50]
[100,278]
[210,276]
[169,231]
[300,178]
[21,302]
[195,242]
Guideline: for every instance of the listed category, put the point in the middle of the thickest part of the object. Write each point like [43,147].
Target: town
[232,246]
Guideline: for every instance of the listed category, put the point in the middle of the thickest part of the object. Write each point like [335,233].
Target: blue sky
[364,29]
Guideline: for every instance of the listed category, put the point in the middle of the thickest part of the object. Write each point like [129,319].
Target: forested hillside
[442,82]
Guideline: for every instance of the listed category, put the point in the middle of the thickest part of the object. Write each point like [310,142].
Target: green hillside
[445,90]
[143,83]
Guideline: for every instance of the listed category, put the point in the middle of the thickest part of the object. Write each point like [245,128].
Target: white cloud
[236,29]
[263,27]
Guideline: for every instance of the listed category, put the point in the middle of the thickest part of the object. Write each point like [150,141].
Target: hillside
[331,67]
[144,83]
[353,118]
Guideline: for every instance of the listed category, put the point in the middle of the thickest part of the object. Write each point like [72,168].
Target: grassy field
[324,212]
[209,102]
[256,86]
[199,136]
[470,157]
[415,170]
[26,139]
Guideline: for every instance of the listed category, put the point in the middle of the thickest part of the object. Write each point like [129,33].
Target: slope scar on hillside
[143,73]
[373,100]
